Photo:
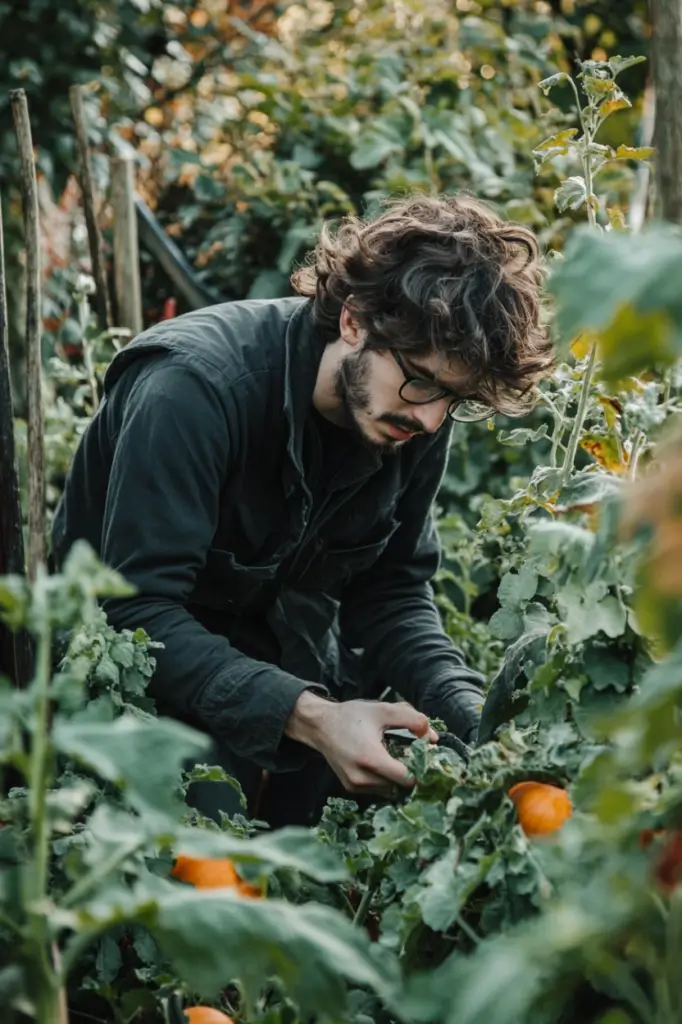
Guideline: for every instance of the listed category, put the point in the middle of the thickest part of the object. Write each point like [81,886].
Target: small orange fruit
[206,1015]
[212,873]
[541,808]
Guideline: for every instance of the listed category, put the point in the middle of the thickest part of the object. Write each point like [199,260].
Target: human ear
[351,332]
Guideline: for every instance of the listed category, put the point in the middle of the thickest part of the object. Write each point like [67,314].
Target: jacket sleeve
[175,443]
[389,610]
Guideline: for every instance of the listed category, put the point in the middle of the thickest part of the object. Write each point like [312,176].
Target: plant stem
[468,930]
[636,452]
[557,433]
[363,907]
[48,999]
[38,780]
[579,420]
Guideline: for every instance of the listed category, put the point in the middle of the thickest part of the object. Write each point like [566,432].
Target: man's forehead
[446,368]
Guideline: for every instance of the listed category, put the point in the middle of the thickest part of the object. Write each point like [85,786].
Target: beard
[352,389]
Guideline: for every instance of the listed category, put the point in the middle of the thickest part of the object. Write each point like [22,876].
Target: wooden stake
[102,304]
[126,250]
[667,73]
[16,652]
[36,455]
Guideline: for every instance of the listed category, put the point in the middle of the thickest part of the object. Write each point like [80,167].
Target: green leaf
[299,235]
[506,624]
[552,539]
[371,149]
[548,83]
[605,669]
[588,610]
[517,587]
[106,671]
[604,276]
[618,63]
[449,884]
[589,489]
[212,938]
[636,341]
[143,757]
[571,194]
[108,961]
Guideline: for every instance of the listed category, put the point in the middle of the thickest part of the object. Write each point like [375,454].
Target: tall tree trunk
[667,69]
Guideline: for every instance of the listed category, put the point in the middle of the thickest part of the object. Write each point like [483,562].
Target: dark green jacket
[195,480]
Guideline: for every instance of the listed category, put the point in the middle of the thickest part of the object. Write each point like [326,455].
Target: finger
[369,783]
[403,716]
[390,769]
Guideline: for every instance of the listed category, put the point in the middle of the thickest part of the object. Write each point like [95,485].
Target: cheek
[383,395]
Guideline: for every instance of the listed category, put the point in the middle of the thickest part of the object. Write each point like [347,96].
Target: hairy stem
[579,420]
[38,785]
[635,453]
[363,907]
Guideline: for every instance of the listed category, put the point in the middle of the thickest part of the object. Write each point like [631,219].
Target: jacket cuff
[255,729]
[458,702]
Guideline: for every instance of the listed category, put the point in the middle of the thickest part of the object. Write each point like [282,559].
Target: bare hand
[350,738]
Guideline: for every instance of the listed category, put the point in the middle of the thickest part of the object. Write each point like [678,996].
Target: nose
[431,416]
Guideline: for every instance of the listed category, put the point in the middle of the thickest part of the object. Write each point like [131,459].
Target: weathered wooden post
[667,73]
[16,649]
[87,187]
[36,455]
[126,248]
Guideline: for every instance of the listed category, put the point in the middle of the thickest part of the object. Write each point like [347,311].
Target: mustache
[403,423]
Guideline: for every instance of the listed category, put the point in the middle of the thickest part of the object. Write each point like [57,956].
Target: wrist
[306,721]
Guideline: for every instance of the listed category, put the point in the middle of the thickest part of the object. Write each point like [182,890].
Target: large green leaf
[142,757]
[605,276]
[213,937]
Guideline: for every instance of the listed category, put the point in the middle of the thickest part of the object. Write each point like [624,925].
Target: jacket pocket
[332,566]
[226,585]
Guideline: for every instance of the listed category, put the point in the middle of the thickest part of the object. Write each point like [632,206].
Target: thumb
[403,716]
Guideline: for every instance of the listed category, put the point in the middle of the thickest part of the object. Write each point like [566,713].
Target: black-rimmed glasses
[422,391]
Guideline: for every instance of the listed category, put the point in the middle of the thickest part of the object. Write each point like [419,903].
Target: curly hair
[439,273]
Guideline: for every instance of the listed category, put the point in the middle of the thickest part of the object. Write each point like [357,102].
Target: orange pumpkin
[206,1015]
[541,808]
[212,873]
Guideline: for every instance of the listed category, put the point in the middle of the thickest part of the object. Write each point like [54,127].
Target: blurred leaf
[143,757]
[212,938]
[608,285]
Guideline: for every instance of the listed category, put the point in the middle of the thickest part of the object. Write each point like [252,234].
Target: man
[264,473]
